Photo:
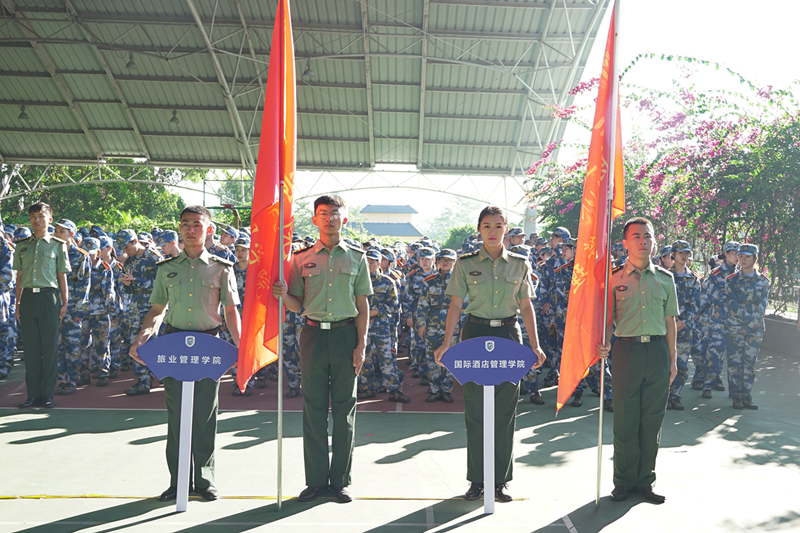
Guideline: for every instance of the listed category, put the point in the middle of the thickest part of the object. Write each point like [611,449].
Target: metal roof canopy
[449,86]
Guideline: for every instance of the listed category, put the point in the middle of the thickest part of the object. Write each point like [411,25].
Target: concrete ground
[70,470]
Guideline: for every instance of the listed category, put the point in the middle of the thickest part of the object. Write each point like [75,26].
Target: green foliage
[457,212]
[457,235]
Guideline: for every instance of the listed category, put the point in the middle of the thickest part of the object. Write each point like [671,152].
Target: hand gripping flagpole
[610,218]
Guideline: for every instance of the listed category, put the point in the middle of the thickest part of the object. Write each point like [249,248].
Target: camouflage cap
[83,231]
[545,250]
[230,230]
[126,236]
[374,253]
[388,254]
[513,232]
[748,249]
[665,251]
[426,252]
[244,243]
[166,236]
[68,224]
[105,241]
[145,237]
[21,233]
[562,233]
[541,241]
[91,245]
[95,230]
[681,246]
[415,246]
[446,253]
[730,246]
[520,249]
[572,243]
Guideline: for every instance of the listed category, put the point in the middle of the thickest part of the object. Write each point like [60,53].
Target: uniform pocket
[210,291]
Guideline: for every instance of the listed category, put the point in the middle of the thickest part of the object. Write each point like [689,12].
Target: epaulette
[715,271]
[471,254]
[565,265]
[617,269]
[62,241]
[215,258]
[732,275]
[168,259]
[81,250]
[29,238]
[413,272]
[516,255]
[664,270]
[305,249]
[534,277]
[9,245]
[430,277]
[158,254]
[356,248]
[108,267]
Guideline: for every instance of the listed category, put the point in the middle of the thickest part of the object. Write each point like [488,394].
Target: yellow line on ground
[119,497]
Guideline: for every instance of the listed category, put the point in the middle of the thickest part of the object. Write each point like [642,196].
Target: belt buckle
[36,289]
[645,338]
[324,325]
[495,323]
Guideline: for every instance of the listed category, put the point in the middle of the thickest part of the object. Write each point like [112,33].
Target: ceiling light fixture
[131,63]
[22,114]
[174,119]
[308,73]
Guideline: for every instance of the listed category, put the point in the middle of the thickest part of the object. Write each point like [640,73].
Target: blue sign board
[488,360]
[189,356]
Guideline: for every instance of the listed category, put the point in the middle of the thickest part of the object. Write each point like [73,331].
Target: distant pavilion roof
[400,209]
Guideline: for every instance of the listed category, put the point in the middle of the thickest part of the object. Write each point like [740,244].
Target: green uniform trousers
[204,430]
[640,382]
[326,370]
[506,396]
[40,325]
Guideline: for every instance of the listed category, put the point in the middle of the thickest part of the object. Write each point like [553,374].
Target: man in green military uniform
[194,284]
[644,304]
[42,266]
[331,281]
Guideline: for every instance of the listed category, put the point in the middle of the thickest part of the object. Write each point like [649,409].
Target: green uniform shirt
[194,288]
[495,286]
[642,300]
[328,282]
[40,260]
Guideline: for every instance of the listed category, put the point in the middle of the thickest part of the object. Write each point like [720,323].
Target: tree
[457,212]
[457,235]
[711,166]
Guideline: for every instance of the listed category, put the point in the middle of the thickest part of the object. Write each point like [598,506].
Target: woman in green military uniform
[499,285]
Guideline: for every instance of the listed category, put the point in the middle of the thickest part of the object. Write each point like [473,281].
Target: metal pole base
[488,449]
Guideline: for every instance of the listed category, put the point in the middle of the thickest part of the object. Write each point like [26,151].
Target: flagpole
[281,312]
[610,219]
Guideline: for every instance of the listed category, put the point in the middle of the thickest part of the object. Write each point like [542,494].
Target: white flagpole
[281,277]
[611,166]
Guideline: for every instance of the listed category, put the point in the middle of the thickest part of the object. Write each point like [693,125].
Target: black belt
[495,322]
[39,289]
[330,325]
[212,331]
[439,307]
[642,339]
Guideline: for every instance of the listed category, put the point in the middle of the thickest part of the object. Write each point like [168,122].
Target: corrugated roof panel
[331,153]
[396,125]
[349,127]
[119,143]
[335,99]
[39,118]
[401,97]
[20,59]
[90,87]
[395,150]
[193,149]
[44,145]
[395,70]
[110,115]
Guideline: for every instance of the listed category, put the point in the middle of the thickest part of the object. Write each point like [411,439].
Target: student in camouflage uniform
[292,329]
[557,238]
[7,332]
[383,306]
[97,322]
[415,282]
[388,267]
[747,291]
[716,293]
[107,255]
[168,242]
[531,379]
[688,286]
[431,318]
[216,248]
[139,274]
[69,344]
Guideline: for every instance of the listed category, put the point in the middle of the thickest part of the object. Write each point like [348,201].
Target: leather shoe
[648,494]
[608,405]
[697,385]
[432,397]
[342,494]
[447,397]
[30,402]
[737,404]
[707,394]
[311,493]
[293,393]
[367,395]
[747,404]
[48,403]
[577,400]
[718,386]
[675,403]
[474,492]
[170,494]
[500,493]
[537,399]
[209,493]
[620,494]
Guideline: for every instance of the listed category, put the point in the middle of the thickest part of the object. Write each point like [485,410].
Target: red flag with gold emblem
[584,324]
[261,314]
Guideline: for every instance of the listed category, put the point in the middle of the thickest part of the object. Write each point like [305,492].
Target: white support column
[488,449]
[185,445]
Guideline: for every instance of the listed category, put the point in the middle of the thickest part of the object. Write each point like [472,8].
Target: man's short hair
[40,207]
[196,209]
[636,220]
[490,210]
[330,199]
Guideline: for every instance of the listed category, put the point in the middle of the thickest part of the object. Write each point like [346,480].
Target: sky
[755,39]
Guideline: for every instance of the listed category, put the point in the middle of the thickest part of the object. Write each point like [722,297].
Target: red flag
[584,324]
[261,315]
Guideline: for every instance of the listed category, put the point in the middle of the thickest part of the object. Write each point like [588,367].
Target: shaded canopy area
[449,86]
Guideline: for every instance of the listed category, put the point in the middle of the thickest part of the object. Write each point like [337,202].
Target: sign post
[488,361]
[187,356]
